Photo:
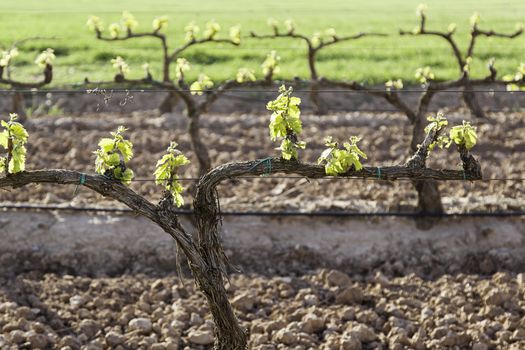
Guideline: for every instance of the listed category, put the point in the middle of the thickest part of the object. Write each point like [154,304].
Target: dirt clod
[136,311]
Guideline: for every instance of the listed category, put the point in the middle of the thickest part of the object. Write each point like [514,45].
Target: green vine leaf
[338,161]
[45,58]
[112,155]
[272,23]
[235,34]
[286,114]
[95,24]
[244,75]
[7,56]
[286,122]
[120,65]
[202,83]
[436,123]
[464,135]
[517,77]
[394,84]
[114,30]
[166,172]
[212,28]
[159,23]
[13,139]
[181,65]
[128,21]
[270,65]
[424,75]
[191,30]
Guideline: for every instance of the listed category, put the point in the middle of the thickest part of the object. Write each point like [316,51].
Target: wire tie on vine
[268,165]
[464,175]
[379,173]
[81,182]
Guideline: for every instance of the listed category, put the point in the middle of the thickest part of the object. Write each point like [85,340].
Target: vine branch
[168,57]
[47,77]
[313,48]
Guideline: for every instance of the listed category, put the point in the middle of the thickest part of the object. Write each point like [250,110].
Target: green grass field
[80,54]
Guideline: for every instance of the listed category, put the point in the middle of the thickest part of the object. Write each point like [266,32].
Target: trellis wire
[269,213]
[330,178]
[101,91]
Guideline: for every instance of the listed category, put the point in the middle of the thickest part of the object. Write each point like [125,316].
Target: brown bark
[428,202]
[169,103]
[18,106]
[228,334]
[317,101]
[428,195]
[198,146]
[471,100]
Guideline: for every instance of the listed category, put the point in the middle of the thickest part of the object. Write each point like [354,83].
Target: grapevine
[125,30]
[178,89]
[428,193]
[416,113]
[464,59]
[44,60]
[204,87]
[314,44]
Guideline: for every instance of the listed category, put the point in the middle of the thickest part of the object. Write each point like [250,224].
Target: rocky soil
[325,309]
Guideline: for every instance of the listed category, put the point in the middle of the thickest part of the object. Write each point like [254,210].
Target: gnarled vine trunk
[169,103]
[317,101]
[428,195]
[18,105]
[210,280]
[198,146]
[228,334]
[471,100]
[315,98]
